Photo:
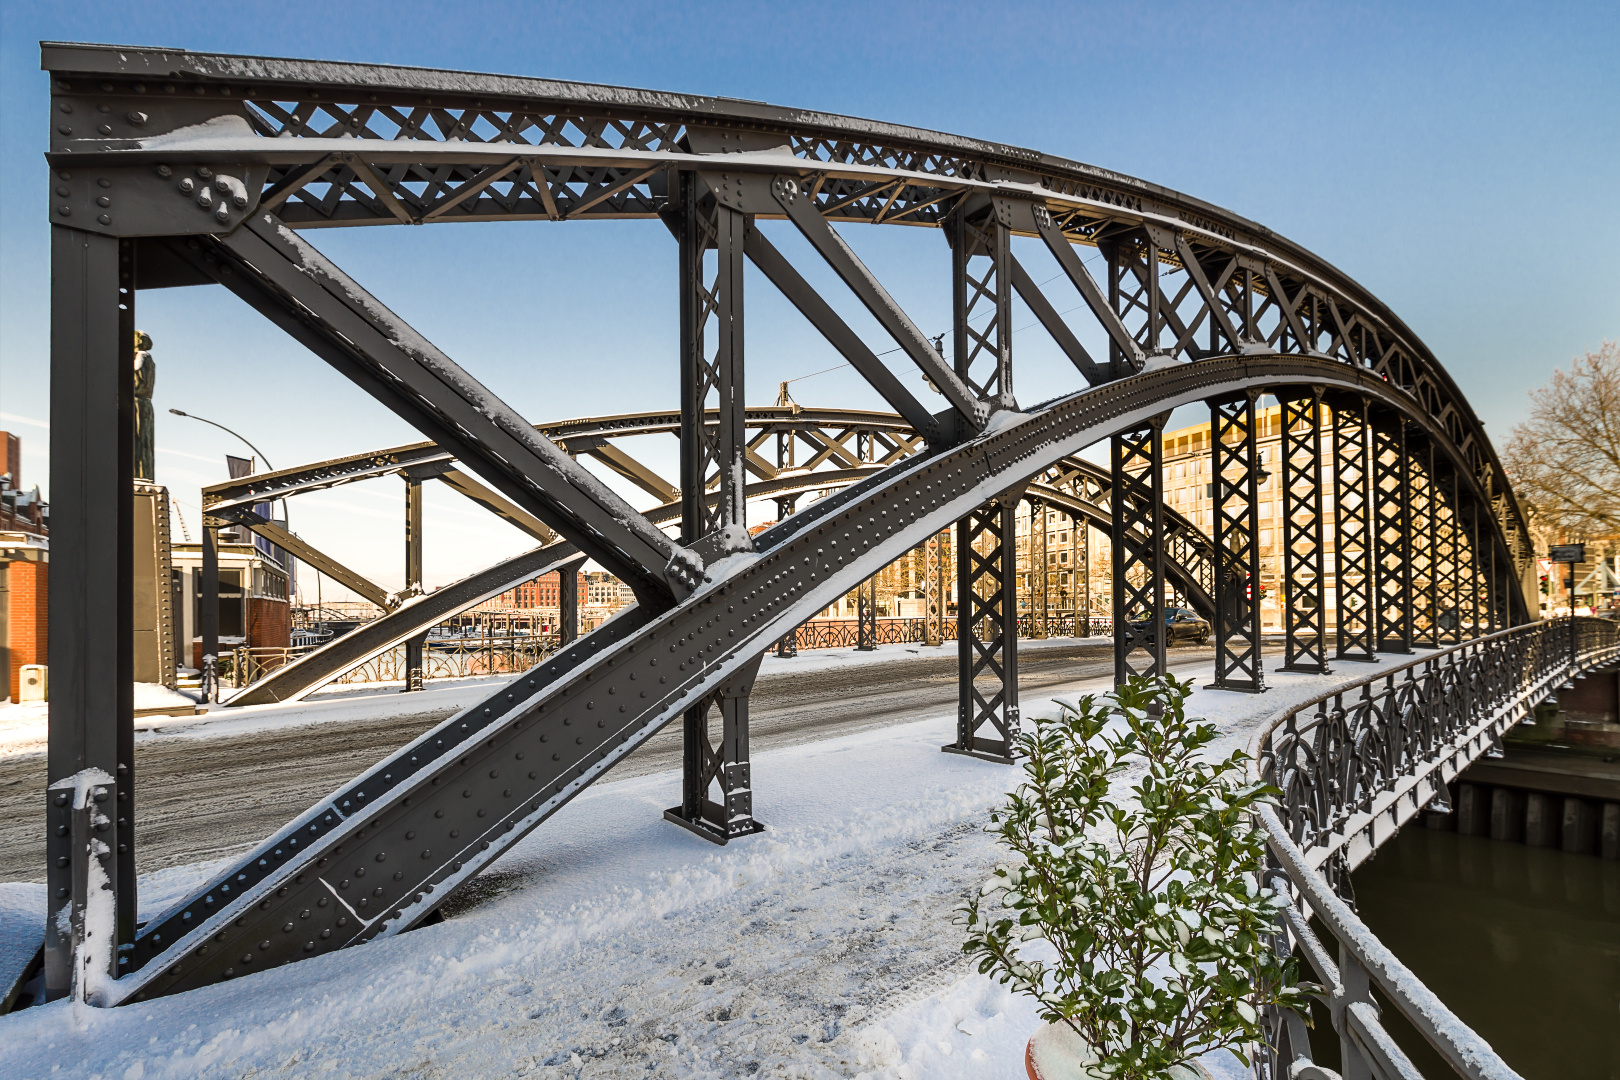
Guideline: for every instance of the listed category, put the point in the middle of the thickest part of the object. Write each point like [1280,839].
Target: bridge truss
[173,169]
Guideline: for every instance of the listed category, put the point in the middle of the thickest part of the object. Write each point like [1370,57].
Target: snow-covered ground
[611,943]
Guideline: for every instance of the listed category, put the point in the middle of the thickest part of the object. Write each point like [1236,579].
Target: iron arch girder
[303,676]
[617,129]
[675,658]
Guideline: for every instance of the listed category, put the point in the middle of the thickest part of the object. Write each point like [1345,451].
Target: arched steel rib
[492,147]
[578,713]
[1189,564]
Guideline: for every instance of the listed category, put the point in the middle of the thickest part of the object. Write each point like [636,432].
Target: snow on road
[611,944]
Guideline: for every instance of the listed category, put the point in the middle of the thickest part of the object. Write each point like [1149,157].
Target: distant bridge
[173,169]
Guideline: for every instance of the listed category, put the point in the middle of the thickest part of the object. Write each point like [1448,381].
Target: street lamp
[228,431]
[286,515]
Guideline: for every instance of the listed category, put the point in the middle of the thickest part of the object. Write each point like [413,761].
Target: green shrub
[1154,902]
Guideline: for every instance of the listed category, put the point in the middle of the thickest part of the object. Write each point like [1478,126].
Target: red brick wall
[30,592]
[269,623]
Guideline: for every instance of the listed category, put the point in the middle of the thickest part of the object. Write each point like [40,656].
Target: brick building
[25,556]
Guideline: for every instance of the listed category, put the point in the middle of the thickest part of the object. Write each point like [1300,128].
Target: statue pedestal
[154,593]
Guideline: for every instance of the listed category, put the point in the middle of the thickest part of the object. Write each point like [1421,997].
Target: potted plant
[1137,861]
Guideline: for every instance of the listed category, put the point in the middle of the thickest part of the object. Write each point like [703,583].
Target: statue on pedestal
[145,381]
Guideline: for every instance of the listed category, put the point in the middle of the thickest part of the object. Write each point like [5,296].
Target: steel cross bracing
[1137,457]
[1391,532]
[152,188]
[987,632]
[1235,469]
[831,441]
[1304,528]
[1355,581]
[325,144]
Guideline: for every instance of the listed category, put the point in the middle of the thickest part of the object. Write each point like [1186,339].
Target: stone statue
[145,380]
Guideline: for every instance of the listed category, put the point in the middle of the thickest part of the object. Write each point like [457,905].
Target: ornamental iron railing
[1353,765]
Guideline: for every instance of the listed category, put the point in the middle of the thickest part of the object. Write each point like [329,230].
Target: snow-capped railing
[1352,766]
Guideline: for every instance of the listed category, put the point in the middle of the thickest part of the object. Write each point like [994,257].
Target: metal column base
[979,751]
[711,832]
[1240,688]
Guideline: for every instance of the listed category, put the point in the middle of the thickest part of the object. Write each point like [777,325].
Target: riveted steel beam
[831,247]
[90,804]
[290,282]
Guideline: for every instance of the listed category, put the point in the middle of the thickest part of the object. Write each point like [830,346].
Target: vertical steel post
[1355,583]
[1039,597]
[1420,539]
[712,368]
[934,590]
[987,632]
[1136,502]
[1083,605]
[567,605]
[1304,548]
[1391,534]
[866,615]
[413,578]
[90,802]
[1235,469]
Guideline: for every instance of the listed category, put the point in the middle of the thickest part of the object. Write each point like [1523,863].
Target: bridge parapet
[1355,764]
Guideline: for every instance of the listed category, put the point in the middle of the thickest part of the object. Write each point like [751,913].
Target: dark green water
[1522,943]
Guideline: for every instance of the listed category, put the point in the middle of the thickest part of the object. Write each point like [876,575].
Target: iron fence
[1352,766]
[442,659]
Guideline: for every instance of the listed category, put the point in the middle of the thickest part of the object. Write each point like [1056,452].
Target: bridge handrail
[1468,694]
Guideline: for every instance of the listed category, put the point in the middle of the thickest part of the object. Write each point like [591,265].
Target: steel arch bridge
[173,169]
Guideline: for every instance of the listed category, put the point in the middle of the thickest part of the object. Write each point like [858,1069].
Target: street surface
[205,798]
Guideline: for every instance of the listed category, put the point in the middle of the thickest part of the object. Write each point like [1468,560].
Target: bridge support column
[413,578]
[724,766]
[987,632]
[1420,539]
[1354,581]
[1235,461]
[1391,534]
[866,615]
[934,588]
[90,803]
[1304,549]
[1039,598]
[1136,500]
[711,349]
[1447,595]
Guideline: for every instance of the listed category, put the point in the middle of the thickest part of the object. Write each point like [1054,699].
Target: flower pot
[1055,1052]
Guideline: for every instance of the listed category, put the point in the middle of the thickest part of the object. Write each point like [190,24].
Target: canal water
[1522,943]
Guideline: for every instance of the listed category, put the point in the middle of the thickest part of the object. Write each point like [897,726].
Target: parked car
[1184,624]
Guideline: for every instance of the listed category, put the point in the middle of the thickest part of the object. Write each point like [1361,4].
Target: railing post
[1354,987]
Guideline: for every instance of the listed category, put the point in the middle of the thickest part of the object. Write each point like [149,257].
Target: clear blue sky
[1462,161]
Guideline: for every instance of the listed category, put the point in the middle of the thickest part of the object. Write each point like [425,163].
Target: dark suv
[1184,624]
